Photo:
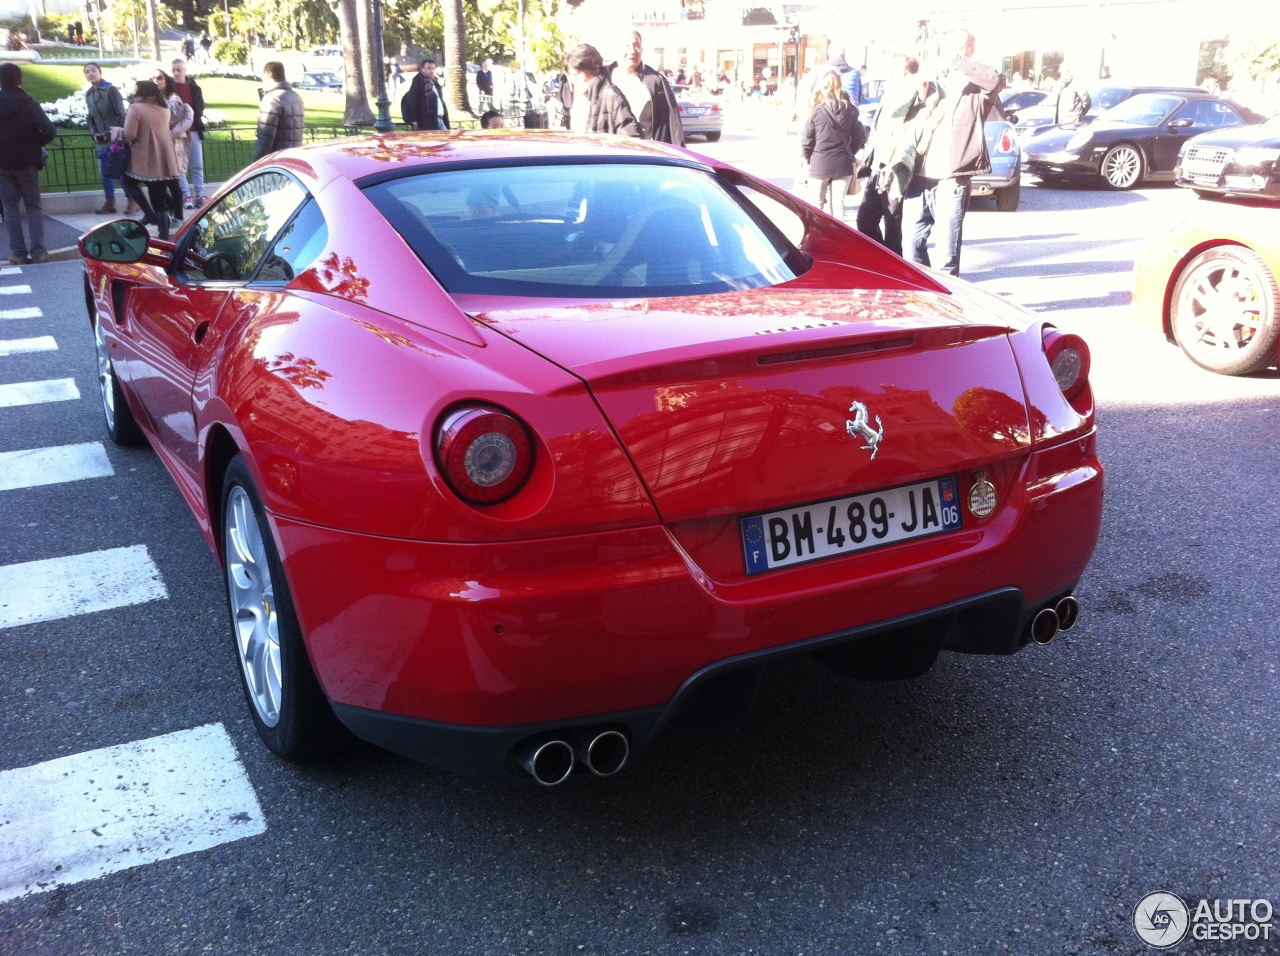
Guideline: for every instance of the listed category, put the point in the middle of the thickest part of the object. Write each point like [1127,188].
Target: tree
[455,55]
[358,112]
[153,26]
[1255,57]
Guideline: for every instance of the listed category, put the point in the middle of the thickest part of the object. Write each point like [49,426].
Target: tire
[286,703]
[1007,199]
[1122,166]
[122,427]
[713,137]
[1241,340]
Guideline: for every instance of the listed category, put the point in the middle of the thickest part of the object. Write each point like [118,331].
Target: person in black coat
[423,107]
[24,130]
[832,137]
[648,93]
[596,105]
[484,78]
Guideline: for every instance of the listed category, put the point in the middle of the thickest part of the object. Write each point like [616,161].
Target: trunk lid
[742,402]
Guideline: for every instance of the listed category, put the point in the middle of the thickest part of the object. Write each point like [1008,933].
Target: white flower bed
[72,111]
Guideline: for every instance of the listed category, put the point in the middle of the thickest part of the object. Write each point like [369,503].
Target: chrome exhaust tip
[606,753]
[1044,626]
[550,763]
[1068,611]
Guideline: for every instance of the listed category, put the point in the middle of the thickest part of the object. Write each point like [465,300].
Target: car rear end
[700,115]
[1004,180]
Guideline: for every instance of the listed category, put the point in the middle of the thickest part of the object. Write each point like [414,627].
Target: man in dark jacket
[189,92]
[951,147]
[281,114]
[24,129]
[652,101]
[484,78]
[423,107]
[1073,100]
[597,105]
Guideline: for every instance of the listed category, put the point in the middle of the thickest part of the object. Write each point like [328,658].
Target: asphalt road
[1020,805]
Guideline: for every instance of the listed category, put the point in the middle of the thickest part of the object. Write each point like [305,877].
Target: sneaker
[198,202]
[187,203]
[40,256]
[19,260]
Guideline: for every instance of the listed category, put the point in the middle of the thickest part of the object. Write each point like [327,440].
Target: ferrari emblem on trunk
[859,428]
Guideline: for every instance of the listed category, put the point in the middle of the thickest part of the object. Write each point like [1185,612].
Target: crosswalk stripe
[41,343]
[35,393]
[15,290]
[31,312]
[53,466]
[54,588]
[10,271]
[84,816]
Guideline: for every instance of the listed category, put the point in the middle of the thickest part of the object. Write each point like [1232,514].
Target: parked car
[1004,182]
[319,82]
[511,448]
[700,113]
[1033,121]
[1015,101]
[1241,161]
[1134,142]
[327,54]
[1209,286]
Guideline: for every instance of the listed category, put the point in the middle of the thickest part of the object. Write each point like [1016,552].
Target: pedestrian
[832,137]
[397,74]
[423,107]
[104,109]
[79,33]
[1073,101]
[851,81]
[205,43]
[647,92]
[680,78]
[24,131]
[189,92]
[880,212]
[71,34]
[152,160]
[181,116]
[491,119]
[597,106]
[484,78]
[950,149]
[281,114]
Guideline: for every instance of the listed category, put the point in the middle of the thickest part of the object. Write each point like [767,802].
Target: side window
[1209,113]
[233,234]
[298,246]
[786,221]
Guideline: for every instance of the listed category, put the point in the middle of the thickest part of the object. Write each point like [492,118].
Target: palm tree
[357,111]
[455,55]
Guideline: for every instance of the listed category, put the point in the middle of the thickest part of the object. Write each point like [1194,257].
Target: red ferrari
[516,446]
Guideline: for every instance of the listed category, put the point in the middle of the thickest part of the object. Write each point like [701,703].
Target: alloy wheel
[1223,313]
[106,376]
[254,614]
[1122,167]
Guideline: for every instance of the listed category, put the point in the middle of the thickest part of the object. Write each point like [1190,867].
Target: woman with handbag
[181,117]
[152,159]
[832,137]
[105,111]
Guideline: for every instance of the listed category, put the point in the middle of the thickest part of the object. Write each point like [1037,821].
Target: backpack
[405,106]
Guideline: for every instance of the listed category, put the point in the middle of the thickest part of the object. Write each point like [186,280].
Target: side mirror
[1012,118]
[1181,123]
[122,240]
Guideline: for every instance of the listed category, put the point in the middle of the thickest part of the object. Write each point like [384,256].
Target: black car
[1137,140]
[1031,121]
[1238,162]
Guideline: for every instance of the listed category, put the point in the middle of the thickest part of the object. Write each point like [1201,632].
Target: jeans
[195,167]
[836,190]
[22,185]
[931,202]
[875,207]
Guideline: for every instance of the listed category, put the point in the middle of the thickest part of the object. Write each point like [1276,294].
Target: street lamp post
[383,124]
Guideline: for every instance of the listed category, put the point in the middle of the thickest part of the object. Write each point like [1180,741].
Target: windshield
[1145,109]
[1106,97]
[574,230]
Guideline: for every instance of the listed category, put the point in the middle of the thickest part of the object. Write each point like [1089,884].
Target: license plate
[695,111]
[845,525]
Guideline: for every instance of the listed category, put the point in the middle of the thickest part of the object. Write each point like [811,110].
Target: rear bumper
[498,641]
[1005,172]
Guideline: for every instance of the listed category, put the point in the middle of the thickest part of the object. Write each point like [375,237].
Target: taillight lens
[1006,141]
[484,453]
[1069,359]
[715,108]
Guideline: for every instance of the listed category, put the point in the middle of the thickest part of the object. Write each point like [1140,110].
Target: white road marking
[31,312]
[84,816]
[10,271]
[15,290]
[78,584]
[41,343]
[51,466]
[34,393]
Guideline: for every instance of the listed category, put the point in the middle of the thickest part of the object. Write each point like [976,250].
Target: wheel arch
[1166,307]
[219,449]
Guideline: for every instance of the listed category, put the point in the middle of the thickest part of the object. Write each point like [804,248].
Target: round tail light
[484,453]
[1069,359]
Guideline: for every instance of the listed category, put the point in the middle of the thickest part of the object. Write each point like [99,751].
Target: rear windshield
[1107,97]
[585,230]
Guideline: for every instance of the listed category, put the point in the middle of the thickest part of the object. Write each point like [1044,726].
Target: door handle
[199,332]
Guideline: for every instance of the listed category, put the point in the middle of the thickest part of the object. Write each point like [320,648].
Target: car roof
[358,157]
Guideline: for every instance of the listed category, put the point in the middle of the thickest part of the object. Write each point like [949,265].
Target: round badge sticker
[982,498]
[1161,920]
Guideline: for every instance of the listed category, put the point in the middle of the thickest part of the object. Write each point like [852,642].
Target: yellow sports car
[1210,286]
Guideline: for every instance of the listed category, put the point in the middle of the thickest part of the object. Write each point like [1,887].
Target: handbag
[116,160]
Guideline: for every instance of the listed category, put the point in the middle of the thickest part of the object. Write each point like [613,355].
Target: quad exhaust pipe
[1050,620]
[551,762]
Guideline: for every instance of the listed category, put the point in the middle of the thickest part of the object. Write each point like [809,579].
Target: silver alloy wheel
[1219,310]
[106,375]
[253,606]
[1122,167]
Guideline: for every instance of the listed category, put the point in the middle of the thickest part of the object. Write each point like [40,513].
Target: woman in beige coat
[153,162]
